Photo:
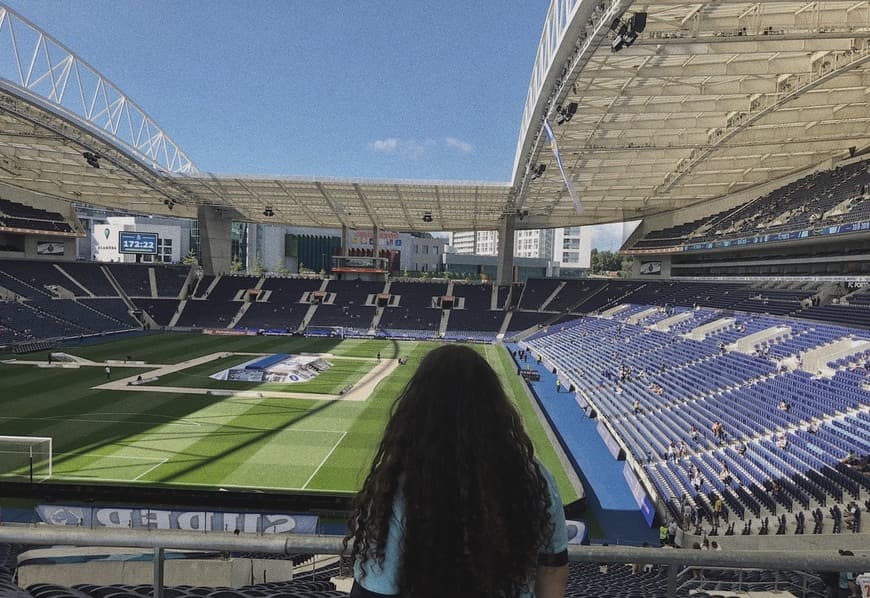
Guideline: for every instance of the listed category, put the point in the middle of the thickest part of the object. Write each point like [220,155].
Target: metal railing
[292,544]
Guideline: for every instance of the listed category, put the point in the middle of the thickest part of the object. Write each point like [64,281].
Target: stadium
[199,427]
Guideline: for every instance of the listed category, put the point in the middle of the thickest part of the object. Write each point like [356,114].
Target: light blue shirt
[384,580]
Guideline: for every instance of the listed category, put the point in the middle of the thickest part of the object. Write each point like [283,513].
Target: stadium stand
[219,308]
[823,198]
[170,279]
[283,310]
[414,311]
[475,321]
[664,395]
[160,310]
[134,279]
[33,279]
[17,215]
[349,304]
[91,277]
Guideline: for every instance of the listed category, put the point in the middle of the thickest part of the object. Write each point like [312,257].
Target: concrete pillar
[505,272]
[345,240]
[376,240]
[215,239]
[252,247]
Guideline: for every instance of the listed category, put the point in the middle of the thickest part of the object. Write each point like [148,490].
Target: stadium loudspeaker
[638,22]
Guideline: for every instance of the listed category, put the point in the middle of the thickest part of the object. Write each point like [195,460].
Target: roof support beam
[331,203]
[365,204]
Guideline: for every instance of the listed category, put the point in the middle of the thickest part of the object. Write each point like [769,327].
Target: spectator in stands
[430,521]
[636,407]
[740,447]
[725,474]
[782,441]
[783,406]
[697,482]
[672,532]
[847,586]
[693,432]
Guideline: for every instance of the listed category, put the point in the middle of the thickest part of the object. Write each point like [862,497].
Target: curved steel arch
[37,65]
[572,31]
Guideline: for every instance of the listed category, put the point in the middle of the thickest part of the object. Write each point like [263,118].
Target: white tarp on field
[292,370]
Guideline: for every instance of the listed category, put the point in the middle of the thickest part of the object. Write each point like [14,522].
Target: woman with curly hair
[455,504]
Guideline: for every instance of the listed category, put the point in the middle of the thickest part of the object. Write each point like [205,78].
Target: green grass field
[147,436]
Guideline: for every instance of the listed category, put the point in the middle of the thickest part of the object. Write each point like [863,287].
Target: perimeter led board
[133,242]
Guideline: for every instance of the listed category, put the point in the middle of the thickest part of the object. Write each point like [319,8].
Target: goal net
[23,456]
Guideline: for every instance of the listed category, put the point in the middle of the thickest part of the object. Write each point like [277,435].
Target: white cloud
[407,148]
[610,237]
[385,146]
[459,145]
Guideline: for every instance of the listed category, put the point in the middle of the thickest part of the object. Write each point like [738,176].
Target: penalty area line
[325,459]
[150,469]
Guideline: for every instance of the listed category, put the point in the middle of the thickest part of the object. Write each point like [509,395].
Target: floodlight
[92,159]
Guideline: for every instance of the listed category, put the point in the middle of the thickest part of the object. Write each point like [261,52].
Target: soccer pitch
[188,429]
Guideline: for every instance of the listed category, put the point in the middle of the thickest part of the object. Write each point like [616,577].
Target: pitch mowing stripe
[169,443]
[345,470]
[325,459]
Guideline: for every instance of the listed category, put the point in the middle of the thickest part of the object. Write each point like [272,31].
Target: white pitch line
[150,469]
[328,455]
[150,459]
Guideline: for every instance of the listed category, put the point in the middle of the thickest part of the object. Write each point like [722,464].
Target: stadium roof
[712,98]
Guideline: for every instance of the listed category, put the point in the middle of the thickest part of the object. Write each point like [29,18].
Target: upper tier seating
[823,198]
[16,215]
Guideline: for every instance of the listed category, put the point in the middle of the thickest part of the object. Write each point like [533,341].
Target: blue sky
[377,89]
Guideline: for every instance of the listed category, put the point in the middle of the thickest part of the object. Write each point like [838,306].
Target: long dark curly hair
[475,501]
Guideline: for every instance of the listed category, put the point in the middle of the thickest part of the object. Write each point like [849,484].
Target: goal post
[26,457]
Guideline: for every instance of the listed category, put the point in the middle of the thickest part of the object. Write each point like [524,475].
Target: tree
[281,268]
[236,266]
[190,259]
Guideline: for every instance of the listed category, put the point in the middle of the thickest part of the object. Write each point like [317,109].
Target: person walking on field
[108,371]
[455,503]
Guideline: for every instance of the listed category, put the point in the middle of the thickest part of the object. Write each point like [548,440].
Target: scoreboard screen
[133,242]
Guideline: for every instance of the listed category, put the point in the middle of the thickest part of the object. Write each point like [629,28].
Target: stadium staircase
[552,296]
[504,325]
[73,280]
[379,311]
[152,282]
[445,313]
[178,312]
[118,288]
[246,304]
